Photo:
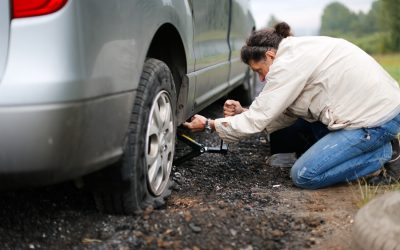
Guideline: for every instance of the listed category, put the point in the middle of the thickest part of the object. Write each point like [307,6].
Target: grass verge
[368,192]
[391,63]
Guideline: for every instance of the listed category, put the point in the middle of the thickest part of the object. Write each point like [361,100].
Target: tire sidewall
[135,166]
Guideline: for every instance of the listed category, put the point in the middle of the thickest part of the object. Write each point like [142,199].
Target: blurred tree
[368,23]
[373,22]
[272,21]
[358,25]
[337,19]
[376,31]
[391,20]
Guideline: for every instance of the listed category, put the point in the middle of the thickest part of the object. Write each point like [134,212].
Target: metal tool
[197,149]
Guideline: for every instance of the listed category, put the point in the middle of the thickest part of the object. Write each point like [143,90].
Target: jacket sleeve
[282,121]
[229,135]
[287,77]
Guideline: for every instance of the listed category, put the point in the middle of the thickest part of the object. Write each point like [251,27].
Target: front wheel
[142,176]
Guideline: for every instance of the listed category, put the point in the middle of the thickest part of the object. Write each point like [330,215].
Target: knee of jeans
[303,178]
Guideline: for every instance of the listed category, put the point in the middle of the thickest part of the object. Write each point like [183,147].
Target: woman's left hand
[197,123]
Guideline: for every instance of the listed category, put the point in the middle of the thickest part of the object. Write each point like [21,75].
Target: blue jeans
[345,155]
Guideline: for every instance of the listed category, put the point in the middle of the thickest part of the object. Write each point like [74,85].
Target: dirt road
[234,201]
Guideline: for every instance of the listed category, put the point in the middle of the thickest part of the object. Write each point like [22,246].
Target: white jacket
[319,79]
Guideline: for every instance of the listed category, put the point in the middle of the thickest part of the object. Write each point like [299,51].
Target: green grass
[391,62]
[367,192]
[371,43]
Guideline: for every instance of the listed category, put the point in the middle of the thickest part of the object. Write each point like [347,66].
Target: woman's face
[262,67]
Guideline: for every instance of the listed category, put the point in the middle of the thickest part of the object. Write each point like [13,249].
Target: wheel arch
[167,46]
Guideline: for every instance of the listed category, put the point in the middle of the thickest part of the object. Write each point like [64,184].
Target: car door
[211,49]
[242,25]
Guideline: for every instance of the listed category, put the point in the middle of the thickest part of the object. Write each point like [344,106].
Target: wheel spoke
[153,130]
[167,117]
[151,158]
[154,171]
[165,160]
[157,117]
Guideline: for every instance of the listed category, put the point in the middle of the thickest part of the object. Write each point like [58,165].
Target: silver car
[98,87]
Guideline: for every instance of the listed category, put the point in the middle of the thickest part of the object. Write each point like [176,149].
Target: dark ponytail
[283,29]
[263,40]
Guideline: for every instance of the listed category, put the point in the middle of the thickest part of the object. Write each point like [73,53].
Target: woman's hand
[197,123]
[232,107]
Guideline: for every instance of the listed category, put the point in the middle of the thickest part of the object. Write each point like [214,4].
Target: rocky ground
[232,201]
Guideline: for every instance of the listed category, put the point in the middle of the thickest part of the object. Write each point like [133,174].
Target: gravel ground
[232,201]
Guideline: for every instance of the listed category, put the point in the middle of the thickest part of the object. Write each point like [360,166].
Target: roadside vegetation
[391,62]
[366,192]
[377,31]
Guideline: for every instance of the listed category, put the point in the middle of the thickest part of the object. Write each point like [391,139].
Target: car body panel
[70,78]
[50,143]
[77,61]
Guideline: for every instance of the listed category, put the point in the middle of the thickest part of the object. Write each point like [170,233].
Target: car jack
[197,149]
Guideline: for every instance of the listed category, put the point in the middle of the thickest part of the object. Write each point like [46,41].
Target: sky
[303,16]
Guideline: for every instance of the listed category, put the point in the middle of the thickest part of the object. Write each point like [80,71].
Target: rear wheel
[142,177]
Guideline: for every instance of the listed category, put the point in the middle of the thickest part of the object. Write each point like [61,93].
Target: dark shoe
[390,173]
[282,160]
[396,150]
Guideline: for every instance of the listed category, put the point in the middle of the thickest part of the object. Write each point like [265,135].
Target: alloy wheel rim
[160,143]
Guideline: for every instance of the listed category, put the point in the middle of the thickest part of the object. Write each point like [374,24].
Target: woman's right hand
[232,107]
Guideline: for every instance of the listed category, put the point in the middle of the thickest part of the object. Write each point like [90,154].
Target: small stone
[168,231]
[195,228]
[277,233]
[31,246]
[187,216]
[233,232]
[248,208]
[249,247]
[221,204]
[148,210]
[312,241]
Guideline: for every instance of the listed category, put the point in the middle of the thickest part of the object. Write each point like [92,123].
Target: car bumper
[44,144]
